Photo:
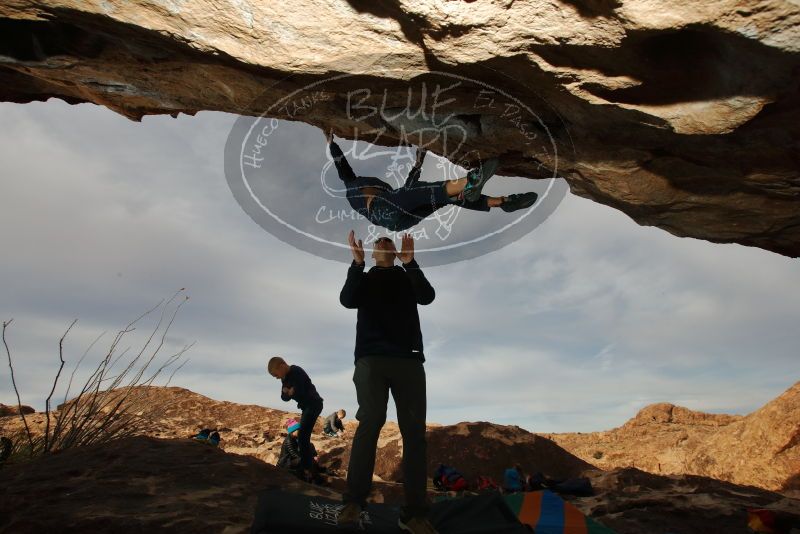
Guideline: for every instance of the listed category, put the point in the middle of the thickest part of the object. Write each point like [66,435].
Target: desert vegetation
[109,404]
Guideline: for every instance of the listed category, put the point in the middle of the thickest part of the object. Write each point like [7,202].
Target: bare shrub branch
[55,383]
[14,383]
[111,403]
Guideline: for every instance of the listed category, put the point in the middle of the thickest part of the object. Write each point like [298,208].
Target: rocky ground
[165,481]
[176,485]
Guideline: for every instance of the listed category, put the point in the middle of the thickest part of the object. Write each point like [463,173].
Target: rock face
[683,115]
[761,449]
[484,448]
[473,448]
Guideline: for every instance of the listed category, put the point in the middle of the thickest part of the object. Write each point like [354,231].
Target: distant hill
[761,449]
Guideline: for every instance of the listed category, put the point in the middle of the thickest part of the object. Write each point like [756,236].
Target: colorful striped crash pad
[548,513]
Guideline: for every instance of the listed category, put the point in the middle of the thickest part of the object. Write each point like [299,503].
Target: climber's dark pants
[401,208]
[346,173]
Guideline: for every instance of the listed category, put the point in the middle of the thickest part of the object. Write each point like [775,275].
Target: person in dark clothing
[401,208]
[297,385]
[333,424]
[388,358]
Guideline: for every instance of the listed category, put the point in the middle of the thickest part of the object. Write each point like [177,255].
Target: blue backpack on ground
[207,436]
[202,435]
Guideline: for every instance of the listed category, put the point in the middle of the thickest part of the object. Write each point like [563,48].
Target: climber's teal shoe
[477,178]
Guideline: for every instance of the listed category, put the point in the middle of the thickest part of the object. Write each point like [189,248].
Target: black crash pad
[280,512]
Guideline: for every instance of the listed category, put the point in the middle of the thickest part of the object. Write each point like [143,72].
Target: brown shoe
[350,514]
[417,525]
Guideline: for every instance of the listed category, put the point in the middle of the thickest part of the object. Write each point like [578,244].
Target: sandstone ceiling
[684,115]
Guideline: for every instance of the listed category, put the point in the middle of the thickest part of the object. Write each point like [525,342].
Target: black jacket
[386,299]
[304,391]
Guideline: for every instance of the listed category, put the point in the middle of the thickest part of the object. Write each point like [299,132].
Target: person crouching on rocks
[333,424]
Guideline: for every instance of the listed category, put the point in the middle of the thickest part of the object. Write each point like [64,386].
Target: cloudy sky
[574,327]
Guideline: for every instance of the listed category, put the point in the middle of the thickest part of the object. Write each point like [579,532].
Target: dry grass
[108,405]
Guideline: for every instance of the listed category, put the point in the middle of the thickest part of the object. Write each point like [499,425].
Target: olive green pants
[374,378]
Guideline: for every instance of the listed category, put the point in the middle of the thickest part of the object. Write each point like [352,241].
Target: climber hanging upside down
[401,208]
